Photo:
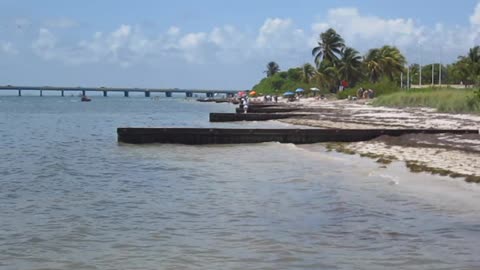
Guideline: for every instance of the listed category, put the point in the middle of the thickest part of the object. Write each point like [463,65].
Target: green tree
[393,61]
[272,69]
[295,74]
[330,45]
[327,76]
[386,61]
[350,65]
[308,72]
[372,64]
[469,65]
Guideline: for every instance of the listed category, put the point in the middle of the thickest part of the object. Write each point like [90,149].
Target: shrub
[444,100]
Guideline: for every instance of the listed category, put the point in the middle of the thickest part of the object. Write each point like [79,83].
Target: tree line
[335,62]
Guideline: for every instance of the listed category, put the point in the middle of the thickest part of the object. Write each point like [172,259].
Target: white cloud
[123,46]
[173,30]
[276,39]
[192,40]
[371,31]
[7,48]
[475,18]
[45,44]
[277,33]
[418,42]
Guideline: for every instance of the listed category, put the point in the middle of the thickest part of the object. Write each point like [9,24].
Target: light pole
[420,67]
[440,74]
[408,77]
[440,69]
[433,74]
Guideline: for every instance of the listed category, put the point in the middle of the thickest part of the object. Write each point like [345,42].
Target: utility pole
[408,77]
[440,69]
[440,74]
[420,75]
[433,74]
[420,68]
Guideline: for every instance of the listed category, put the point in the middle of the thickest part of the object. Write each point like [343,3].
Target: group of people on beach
[269,98]
[363,93]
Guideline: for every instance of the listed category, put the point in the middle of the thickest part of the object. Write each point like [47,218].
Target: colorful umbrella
[252,93]
[299,90]
[315,89]
[288,93]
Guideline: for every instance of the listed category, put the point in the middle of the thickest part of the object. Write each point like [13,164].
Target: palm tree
[386,61]
[372,64]
[470,65]
[474,54]
[393,61]
[327,76]
[308,71]
[272,69]
[349,66]
[329,47]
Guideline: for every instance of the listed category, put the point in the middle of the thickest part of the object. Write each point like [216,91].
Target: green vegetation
[379,69]
[417,167]
[272,69]
[383,87]
[288,80]
[444,100]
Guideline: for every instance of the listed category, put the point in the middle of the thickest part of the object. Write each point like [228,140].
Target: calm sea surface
[71,197]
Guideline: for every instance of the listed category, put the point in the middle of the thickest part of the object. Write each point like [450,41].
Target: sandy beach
[445,154]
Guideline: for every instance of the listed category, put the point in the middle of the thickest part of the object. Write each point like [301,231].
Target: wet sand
[454,155]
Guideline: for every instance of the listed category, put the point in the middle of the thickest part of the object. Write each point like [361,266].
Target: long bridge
[105,90]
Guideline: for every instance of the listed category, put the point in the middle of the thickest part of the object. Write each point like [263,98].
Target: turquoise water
[71,197]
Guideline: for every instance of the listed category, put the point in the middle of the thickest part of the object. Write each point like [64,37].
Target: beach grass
[444,100]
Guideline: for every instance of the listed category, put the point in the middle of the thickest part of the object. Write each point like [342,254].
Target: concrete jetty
[193,136]
[232,117]
[276,109]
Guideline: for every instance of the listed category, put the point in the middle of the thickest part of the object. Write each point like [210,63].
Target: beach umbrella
[241,93]
[299,90]
[314,89]
[288,93]
[252,93]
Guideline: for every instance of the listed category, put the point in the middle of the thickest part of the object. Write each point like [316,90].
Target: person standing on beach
[245,105]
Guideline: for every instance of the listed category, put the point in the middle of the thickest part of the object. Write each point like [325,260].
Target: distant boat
[85,99]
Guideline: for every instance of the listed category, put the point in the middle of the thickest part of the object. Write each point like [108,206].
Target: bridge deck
[113,89]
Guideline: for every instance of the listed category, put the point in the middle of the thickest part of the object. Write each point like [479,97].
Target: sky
[212,44]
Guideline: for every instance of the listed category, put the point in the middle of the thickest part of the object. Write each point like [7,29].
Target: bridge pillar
[19,92]
[63,93]
[188,94]
[168,94]
[104,93]
[41,93]
[83,93]
[147,93]
[125,93]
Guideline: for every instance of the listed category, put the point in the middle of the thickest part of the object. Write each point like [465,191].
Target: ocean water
[71,197]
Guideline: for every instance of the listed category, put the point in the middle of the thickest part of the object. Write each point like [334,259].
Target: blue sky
[212,44]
